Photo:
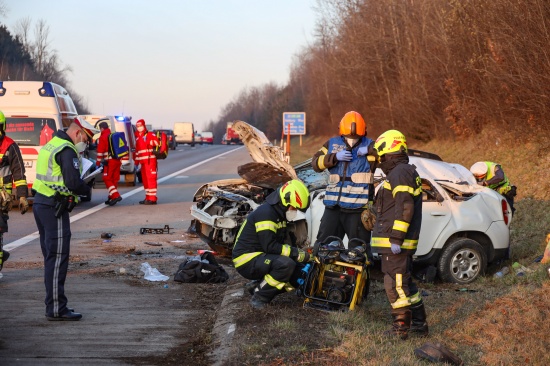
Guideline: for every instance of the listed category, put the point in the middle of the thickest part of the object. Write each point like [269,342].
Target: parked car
[198,138]
[172,143]
[464,226]
[207,138]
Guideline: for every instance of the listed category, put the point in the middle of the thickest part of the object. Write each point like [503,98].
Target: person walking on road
[57,187]
[350,158]
[398,205]
[261,252]
[491,175]
[145,143]
[12,172]
[111,165]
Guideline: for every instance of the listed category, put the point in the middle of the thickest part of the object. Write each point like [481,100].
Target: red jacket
[103,146]
[145,142]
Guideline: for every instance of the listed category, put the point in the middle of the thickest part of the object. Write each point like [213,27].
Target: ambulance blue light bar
[46,90]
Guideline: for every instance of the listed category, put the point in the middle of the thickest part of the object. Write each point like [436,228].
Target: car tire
[462,261]
[139,177]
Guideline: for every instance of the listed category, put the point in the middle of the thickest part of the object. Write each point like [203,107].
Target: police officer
[261,251]
[350,159]
[57,187]
[395,236]
[12,172]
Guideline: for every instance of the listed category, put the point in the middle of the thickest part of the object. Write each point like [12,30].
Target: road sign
[297,122]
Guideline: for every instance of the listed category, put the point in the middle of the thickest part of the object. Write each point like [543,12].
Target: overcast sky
[171,60]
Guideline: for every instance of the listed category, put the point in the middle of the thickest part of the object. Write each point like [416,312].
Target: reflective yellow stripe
[411,190]
[371,158]
[245,258]
[273,282]
[405,301]
[286,250]
[401,226]
[387,185]
[321,162]
[266,225]
[19,183]
[385,243]
[324,150]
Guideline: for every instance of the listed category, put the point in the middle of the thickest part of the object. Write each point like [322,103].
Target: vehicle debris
[153,244]
[106,235]
[152,274]
[147,230]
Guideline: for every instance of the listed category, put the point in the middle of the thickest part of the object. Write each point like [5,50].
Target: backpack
[118,147]
[161,151]
[198,271]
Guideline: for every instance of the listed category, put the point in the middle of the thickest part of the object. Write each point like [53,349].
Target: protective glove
[303,256]
[343,155]
[363,150]
[395,249]
[23,205]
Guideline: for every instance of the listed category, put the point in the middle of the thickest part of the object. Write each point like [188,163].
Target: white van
[117,124]
[185,133]
[34,110]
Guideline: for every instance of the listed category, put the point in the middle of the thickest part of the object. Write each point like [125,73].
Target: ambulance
[34,110]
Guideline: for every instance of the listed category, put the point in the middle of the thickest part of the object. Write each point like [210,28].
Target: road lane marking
[27,239]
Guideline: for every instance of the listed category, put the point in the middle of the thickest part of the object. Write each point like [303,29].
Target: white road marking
[27,239]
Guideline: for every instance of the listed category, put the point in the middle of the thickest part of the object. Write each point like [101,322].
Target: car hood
[269,168]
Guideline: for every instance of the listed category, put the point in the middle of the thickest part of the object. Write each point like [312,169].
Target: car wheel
[139,178]
[462,261]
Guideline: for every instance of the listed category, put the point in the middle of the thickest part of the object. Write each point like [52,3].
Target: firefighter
[261,251]
[111,165]
[12,172]
[491,175]
[398,205]
[145,143]
[350,158]
[57,187]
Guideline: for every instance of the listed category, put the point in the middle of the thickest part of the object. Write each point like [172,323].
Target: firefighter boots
[419,325]
[401,324]
[258,302]
[251,286]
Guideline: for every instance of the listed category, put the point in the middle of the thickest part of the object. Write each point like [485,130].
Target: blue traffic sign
[297,122]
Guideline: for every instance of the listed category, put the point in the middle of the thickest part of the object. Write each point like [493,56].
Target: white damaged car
[464,226]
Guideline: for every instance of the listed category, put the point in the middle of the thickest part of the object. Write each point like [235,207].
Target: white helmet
[479,170]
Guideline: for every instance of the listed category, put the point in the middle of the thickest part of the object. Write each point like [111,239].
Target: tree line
[432,69]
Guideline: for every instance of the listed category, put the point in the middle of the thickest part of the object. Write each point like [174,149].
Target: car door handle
[437,213]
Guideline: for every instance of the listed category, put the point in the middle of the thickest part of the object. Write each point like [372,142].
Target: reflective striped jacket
[12,168]
[349,182]
[144,147]
[399,210]
[264,231]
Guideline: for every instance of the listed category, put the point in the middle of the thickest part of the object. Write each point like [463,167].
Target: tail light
[505,211]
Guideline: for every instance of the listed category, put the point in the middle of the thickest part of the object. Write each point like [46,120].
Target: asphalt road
[119,320]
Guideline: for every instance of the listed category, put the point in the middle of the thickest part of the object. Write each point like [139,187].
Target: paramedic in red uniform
[145,143]
[111,166]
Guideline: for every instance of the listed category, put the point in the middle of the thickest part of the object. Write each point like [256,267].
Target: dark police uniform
[58,170]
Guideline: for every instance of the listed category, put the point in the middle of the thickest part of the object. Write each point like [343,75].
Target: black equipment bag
[197,271]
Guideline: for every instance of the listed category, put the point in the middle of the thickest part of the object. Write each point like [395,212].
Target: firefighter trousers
[149,178]
[55,238]
[111,176]
[398,283]
[278,274]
